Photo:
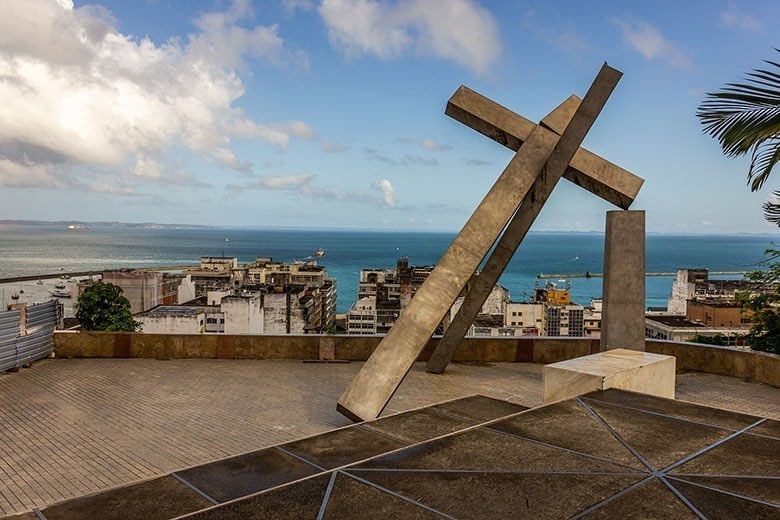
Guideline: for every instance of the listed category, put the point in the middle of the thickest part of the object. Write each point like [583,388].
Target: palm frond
[765,155]
[772,208]
[745,117]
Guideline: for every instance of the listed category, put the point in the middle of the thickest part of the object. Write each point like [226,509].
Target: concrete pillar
[623,315]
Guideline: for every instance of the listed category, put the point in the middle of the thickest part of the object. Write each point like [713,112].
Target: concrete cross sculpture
[544,153]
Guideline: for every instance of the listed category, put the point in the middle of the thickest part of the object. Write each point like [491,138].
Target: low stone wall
[753,366]
[354,348]
[747,364]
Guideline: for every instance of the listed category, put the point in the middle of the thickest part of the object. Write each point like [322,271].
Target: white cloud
[303,184]
[388,192]
[225,158]
[149,169]
[457,30]
[405,160]
[430,144]
[79,94]
[294,5]
[333,147]
[112,188]
[476,162]
[650,43]
[28,175]
[286,182]
[734,17]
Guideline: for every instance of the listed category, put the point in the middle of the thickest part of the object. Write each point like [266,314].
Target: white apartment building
[243,314]
[362,317]
[524,316]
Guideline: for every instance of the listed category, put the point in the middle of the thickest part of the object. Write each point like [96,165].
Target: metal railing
[21,344]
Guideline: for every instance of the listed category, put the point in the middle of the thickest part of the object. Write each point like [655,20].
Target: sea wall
[752,366]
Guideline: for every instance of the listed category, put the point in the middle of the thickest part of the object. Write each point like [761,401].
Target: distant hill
[142,225]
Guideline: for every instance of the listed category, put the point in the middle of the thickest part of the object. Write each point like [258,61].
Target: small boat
[21,291]
[319,253]
[14,296]
[59,285]
[62,294]
[39,282]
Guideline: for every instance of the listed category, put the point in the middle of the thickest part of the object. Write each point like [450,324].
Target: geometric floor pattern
[610,454]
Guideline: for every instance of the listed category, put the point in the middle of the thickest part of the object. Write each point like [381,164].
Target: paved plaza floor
[76,426]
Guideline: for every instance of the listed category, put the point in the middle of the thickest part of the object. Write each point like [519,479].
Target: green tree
[102,307]
[764,334]
[745,117]
[717,339]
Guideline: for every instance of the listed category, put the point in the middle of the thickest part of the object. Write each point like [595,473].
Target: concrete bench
[630,370]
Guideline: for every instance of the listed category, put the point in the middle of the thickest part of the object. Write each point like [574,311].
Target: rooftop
[674,321]
[172,310]
[77,426]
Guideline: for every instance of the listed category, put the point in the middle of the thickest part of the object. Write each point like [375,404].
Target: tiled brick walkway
[71,427]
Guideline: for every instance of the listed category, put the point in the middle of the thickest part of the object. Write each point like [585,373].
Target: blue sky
[330,113]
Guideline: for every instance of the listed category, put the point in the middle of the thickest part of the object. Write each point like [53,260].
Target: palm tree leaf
[772,208]
[765,155]
[745,117]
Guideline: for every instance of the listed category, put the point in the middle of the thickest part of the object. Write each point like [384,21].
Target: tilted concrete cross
[541,160]
[603,178]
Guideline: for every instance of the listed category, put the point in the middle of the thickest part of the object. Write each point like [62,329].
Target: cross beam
[543,153]
[611,182]
[586,169]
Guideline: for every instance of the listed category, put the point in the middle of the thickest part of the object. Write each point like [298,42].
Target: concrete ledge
[761,367]
[617,368]
[749,365]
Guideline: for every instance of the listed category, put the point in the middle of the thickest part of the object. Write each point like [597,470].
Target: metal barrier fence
[24,343]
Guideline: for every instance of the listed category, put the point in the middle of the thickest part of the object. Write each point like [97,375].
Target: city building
[293,309]
[295,298]
[491,318]
[564,320]
[526,316]
[562,317]
[696,283]
[402,280]
[143,289]
[718,313]
[232,314]
[217,272]
[173,319]
[318,307]
[384,293]
[592,318]
[681,329]
[242,314]
[361,317]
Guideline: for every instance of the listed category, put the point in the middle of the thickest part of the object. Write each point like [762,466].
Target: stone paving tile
[76,426]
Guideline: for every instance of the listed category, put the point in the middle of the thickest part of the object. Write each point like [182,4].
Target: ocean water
[33,250]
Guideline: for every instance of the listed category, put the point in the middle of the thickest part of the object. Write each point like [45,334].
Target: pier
[72,274]
[588,274]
